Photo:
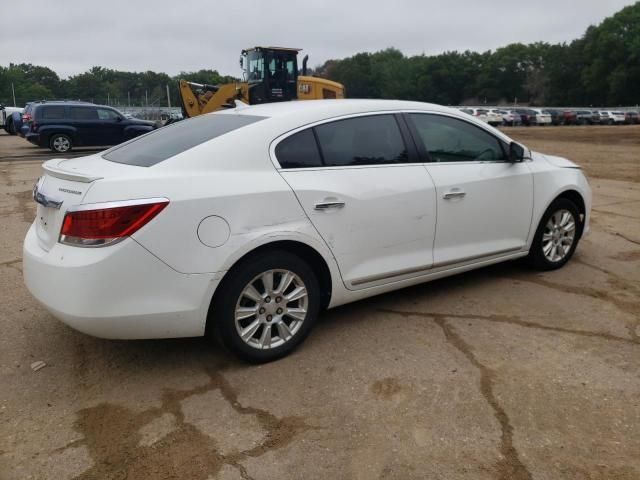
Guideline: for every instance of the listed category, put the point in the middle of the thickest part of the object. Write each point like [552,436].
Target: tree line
[602,68]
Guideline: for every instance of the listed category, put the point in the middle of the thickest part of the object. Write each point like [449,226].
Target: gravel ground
[501,373]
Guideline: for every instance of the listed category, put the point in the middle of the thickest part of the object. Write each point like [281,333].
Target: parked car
[6,118]
[510,117]
[569,117]
[479,113]
[543,117]
[62,125]
[631,117]
[587,117]
[244,224]
[527,116]
[610,117]
[557,116]
[494,117]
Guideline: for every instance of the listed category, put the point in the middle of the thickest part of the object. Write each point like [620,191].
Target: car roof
[332,108]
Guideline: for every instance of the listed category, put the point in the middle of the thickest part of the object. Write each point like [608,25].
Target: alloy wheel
[61,144]
[271,309]
[559,235]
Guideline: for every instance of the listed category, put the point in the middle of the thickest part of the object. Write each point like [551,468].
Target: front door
[373,207]
[111,127]
[484,201]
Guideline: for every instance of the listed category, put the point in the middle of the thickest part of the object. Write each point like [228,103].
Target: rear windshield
[167,142]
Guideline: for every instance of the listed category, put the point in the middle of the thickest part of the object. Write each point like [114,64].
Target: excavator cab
[271,74]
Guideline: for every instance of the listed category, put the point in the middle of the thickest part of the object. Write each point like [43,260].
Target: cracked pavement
[501,373]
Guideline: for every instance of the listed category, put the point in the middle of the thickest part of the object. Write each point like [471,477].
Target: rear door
[485,202]
[85,120]
[374,207]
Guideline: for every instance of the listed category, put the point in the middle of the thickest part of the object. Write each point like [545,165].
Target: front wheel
[557,236]
[266,307]
[60,143]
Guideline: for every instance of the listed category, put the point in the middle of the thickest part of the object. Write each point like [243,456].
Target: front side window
[448,139]
[176,138]
[107,114]
[371,140]
[255,67]
[300,150]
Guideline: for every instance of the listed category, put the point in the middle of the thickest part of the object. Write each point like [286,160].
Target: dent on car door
[371,205]
[485,202]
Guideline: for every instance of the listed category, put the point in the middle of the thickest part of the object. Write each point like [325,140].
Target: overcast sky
[71,36]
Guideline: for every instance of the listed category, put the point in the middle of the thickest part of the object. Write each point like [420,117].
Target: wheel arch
[576,198]
[309,254]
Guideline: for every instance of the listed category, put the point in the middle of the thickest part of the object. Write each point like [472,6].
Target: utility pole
[129,98]
[168,97]
[108,99]
[13,92]
[146,98]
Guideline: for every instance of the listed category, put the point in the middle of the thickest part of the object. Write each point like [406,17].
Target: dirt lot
[501,373]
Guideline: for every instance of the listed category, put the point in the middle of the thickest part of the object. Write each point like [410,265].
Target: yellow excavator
[270,74]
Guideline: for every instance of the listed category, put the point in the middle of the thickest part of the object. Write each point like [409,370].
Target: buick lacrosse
[246,223]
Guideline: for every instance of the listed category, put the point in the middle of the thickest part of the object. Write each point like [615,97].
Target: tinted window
[369,140]
[300,150]
[83,113]
[106,114]
[178,137]
[52,112]
[451,140]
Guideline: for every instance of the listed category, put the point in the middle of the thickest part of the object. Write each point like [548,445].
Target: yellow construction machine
[270,74]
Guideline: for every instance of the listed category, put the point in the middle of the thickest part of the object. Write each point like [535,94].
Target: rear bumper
[33,138]
[121,291]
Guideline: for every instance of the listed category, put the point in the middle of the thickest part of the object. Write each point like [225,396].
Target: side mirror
[119,119]
[516,152]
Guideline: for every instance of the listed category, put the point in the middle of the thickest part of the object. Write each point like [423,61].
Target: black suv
[61,126]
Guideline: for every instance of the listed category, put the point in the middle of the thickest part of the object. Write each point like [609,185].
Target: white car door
[371,205]
[484,201]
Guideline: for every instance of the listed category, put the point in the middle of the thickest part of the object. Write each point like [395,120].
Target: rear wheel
[266,307]
[60,143]
[557,236]
[11,127]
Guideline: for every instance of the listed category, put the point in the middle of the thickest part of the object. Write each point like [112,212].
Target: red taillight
[101,226]
[26,117]
[34,126]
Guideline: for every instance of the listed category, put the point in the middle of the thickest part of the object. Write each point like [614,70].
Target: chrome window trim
[487,128]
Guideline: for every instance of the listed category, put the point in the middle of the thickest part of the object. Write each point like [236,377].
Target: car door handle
[455,193]
[329,205]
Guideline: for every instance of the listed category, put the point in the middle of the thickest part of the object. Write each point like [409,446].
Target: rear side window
[83,113]
[52,112]
[176,138]
[372,140]
[451,140]
[300,150]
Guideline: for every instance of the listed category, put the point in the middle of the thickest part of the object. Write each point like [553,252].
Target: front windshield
[255,67]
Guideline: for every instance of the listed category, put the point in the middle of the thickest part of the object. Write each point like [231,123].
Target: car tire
[245,303]
[557,236]
[60,143]
[11,128]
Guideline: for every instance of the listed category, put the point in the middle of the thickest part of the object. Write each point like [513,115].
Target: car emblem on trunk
[66,190]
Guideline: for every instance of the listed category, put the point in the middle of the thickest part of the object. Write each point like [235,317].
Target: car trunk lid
[64,184]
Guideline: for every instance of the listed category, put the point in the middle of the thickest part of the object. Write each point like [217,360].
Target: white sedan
[244,224]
